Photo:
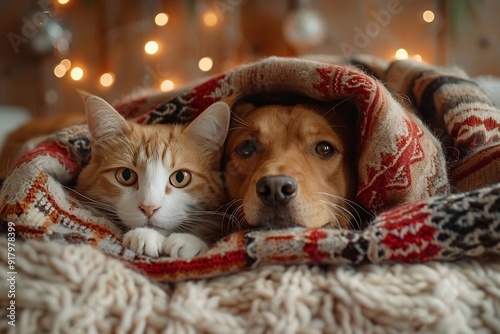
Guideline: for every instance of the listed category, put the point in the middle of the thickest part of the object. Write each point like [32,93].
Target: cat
[162,181]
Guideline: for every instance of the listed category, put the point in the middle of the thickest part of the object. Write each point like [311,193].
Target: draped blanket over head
[405,174]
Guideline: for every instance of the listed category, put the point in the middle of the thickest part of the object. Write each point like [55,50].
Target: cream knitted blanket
[427,263]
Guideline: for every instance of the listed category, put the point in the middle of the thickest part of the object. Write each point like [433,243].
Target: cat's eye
[126,176]
[180,178]
[324,149]
[246,148]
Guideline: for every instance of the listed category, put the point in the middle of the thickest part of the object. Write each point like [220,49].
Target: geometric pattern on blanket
[402,172]
[75,277]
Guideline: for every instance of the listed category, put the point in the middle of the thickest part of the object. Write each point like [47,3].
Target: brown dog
[292,165]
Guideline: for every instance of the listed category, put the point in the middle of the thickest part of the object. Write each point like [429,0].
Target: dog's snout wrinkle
[276,190]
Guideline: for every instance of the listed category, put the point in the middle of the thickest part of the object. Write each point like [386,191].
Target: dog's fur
[286,141]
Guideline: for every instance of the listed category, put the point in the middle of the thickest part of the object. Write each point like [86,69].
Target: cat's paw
[183,245]
[145,241]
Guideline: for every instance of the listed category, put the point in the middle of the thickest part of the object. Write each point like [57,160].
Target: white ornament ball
[304,29]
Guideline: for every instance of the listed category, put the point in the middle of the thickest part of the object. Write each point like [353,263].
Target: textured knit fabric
[394,276]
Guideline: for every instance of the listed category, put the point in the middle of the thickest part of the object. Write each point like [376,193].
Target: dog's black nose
[276,189]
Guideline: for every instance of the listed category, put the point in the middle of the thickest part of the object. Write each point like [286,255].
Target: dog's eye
[325,149]
[246,148]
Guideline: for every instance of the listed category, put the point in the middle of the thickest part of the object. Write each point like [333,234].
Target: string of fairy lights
[401,54]
[151,47]
[205,64]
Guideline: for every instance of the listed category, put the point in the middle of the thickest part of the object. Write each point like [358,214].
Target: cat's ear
[103,120]
[211,126]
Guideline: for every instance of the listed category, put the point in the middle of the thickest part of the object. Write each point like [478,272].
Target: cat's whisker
[238,119]
[186,227]
[239,212]
[205,222]
[338,104]
[107,210]
[210,215]
[228,220]
[91,202]
[235,220]
[95,205]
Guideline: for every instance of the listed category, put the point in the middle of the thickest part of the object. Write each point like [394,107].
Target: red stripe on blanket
[280,238]
[30,232]
[405,215]
[476,161]
[129,109]
[142,118]
[371,111]
[325,80]
[53,213]
[197,267]
[203,95]
[313,237]
[427,253]
[394,172]
[474,121]
[55,150]
[342,82]
[24,205]
[474,138]
[284,259]
[408,227]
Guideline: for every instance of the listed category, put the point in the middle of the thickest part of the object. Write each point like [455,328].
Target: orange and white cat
[162,181]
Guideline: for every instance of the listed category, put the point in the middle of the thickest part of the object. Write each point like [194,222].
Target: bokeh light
[210,19]
[76,73]
[167,85]
[66,63]
[401,54]
[161,19]
[205,64]
[59,71]
[151,47]
[428,16]
[107,79]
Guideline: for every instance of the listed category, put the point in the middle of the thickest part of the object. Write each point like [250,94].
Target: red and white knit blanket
[68,272]
[404,174]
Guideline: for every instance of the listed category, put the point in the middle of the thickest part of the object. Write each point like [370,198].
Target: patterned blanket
[435,193]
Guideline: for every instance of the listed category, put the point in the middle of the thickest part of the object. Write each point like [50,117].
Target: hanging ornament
[48,34]
[304,28]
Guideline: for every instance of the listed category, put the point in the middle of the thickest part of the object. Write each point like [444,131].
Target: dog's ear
[345,111]
[343,116]
[242,108]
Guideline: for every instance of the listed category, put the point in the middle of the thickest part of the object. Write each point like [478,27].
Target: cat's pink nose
[148,210]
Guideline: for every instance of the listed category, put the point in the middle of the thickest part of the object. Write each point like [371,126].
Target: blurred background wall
[112,48]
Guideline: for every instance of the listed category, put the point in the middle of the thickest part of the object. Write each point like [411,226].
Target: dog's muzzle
[276,190]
